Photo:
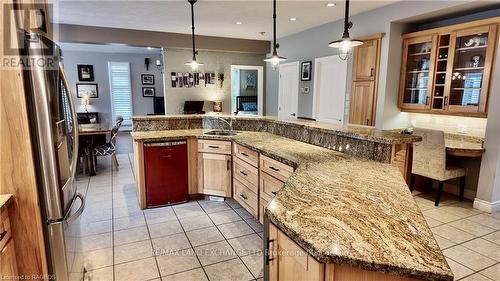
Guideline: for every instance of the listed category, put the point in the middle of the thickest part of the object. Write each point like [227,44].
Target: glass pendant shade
[346,43]
[274,59]
[193,64]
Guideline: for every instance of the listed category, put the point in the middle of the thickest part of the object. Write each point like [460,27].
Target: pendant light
[274,59]
[345,44]
[193,63]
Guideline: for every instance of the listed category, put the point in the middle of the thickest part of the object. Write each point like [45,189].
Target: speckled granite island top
[342,209]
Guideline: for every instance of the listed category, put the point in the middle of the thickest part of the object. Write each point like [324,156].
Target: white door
[288,89]
[330,89]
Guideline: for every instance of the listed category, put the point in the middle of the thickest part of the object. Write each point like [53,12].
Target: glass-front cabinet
[448,71]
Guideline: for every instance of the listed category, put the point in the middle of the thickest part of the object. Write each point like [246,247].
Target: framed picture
[305,70]
[87,90]
[148,79]
[148,92]
[85,72]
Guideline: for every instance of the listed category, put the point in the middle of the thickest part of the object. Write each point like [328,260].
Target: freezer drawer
[166,172]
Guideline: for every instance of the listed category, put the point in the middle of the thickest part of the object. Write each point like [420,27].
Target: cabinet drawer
[275,168]
[247,155]
[246,197]
[214,146]
[269,185]
[4,229]
[246,174]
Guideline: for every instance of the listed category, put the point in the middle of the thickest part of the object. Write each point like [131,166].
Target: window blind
[121,94]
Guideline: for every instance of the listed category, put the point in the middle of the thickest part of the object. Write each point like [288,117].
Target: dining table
[91,135]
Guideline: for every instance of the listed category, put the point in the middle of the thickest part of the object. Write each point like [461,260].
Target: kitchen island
[349,215]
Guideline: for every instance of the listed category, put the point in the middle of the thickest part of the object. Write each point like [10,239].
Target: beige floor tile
[133,251]
[440,215]
[101,274]
[443,242]
[214,252]
[255,263]
[159,215]
[93,228]
[486,220]
[131,235]
[126,211]
[467,257]
[233,203]
[177,261]
[492,272]
[204,236]
[248,244]
[164,228]
[476,277]
[96,259]
[95,242]
[244,214]
[232,270]
[493,237]
[93,215]
[129,222]
[235,229]
[224,217]
[454,234]
[197,222]
[460,210]
[484,247]
[459,271]
[255,225]
[195,274]
[432,222]
[188,210]
[144,269]
[170,243]
[214,206]
[471,227]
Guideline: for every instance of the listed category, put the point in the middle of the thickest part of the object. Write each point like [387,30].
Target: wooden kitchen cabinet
[8,263]
[246,178]
[214,174]
[366,61]
[362,108]
[447,70]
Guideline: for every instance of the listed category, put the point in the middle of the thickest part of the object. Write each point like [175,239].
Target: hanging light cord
[347,25]
[275,46]
[192,27]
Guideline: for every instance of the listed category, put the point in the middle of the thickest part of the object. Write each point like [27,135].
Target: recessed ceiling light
[293,19]
[239,23]
[330,5]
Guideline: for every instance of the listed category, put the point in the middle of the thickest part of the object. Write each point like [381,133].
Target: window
[121,96]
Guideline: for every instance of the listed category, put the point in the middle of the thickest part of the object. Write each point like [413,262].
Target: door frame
[316,87]
[295,64]
[260,86]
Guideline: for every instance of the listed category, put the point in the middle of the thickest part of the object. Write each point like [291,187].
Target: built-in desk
[463,148]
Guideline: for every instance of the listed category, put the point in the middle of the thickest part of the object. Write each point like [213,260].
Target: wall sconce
[218,106]
[85,102]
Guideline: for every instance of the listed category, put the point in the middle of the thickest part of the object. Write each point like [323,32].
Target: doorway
[288,89]
[247,89]
[329,89]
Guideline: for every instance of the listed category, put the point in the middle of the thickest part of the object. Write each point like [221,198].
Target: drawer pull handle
[274,192]
[274,168]
[244,154]
[2,235]
[243,196]
[243,173]
[213,146]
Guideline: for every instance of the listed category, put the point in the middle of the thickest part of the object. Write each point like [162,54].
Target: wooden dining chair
[429,160]
[109,149]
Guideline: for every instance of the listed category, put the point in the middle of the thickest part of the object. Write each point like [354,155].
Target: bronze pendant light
[274,59]
[193,63]
[346,43]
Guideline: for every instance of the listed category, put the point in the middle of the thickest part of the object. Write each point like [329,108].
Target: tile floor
[198,240]
[204,240]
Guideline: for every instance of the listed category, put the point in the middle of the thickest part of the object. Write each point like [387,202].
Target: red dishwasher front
[166,171]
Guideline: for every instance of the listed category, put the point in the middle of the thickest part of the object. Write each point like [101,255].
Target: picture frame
[148,92]
[87,90]
[305,71]
[85,72]
[148,79]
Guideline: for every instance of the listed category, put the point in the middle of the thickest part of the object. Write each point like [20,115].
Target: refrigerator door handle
[69,218]
[74,157]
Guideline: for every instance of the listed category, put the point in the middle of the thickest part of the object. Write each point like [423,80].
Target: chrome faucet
[230,123]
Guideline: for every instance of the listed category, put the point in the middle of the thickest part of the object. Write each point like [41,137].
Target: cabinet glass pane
[417,73]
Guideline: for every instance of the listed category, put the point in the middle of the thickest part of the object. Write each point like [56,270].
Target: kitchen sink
[221,133]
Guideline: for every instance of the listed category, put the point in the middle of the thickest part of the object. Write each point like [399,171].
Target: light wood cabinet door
[8,265]
[214,174]
[291,262]
[362,108]
[365,63]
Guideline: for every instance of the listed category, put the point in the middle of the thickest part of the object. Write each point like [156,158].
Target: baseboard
[485,206]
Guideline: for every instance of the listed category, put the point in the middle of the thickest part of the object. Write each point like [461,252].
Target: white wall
[217,62]
[99,60]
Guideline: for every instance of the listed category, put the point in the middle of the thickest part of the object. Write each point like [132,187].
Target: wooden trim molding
[449,28]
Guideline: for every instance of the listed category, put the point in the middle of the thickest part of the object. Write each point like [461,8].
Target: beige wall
[105,35]
[217,62]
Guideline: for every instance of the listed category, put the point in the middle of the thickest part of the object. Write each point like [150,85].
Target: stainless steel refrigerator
[54,135]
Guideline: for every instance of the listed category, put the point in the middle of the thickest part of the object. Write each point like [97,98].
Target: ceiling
[212,17]
[109,48]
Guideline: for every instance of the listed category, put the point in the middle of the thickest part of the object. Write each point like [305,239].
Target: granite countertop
[342,209]
[5,200]
[353,131]
[464,142]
